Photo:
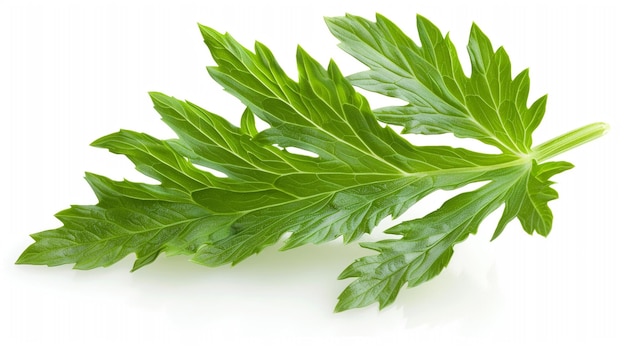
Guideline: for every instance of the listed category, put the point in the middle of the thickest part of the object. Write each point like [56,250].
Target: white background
[71,72]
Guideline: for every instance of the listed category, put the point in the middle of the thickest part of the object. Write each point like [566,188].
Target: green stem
[569,141]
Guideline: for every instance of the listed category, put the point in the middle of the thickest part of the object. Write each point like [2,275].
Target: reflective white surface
[72,72]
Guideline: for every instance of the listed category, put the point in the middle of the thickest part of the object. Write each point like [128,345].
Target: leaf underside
[356,172]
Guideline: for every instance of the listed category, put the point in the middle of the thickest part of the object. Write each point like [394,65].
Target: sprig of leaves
[358,174]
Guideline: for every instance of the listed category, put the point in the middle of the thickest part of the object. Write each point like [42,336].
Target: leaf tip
[207,32]
[347,273]
[31,255]
[22,259]
[477,34]
[381,18]
[101,142]
[496,234]
[421,21]
[158,98]
[339,307]
[330,20]
[155,94]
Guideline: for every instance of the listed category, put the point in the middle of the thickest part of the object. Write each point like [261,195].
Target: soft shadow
[285,284]
[453,297]
[327,259]
[290,285]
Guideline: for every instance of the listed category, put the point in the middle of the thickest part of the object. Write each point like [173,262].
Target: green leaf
[225,192]
[528,198]
[363,172]
[488,106]
[427,243]
[422,253]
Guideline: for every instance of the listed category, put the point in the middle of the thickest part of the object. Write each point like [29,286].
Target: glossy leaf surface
[350,173]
